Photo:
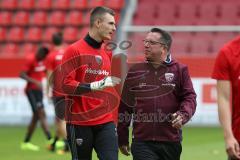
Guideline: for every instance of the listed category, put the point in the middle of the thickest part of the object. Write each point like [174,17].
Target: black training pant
[83,139]
[151,150]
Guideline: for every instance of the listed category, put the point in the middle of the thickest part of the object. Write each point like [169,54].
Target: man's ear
[98,23]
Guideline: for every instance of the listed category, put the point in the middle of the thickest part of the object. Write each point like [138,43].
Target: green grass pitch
[203,143]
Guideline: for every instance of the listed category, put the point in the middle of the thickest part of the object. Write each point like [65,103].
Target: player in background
[34,72]
[53,61]
[227,73]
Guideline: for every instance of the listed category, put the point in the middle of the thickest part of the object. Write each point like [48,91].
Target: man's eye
[151,42]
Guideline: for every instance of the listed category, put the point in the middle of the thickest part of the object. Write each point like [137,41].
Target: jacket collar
[92,42]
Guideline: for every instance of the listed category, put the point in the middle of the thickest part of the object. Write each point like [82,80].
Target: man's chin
[107,38]
[148,59]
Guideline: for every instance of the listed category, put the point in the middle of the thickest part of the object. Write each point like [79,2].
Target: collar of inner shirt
[92,42]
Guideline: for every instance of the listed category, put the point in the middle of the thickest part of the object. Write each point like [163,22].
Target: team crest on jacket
[169,77]
[79,141]
[98,59]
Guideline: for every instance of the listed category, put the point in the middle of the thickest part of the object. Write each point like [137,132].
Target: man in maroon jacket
[159,96]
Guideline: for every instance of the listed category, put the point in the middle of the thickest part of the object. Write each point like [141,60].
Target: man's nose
[114,28]
[146,45]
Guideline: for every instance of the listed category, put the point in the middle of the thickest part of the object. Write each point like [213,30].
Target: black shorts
[83,139]
[59,106]
[35,98]
[151,150]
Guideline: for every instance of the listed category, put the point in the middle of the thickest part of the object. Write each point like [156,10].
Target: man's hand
[109,81]
[39,85]
[177,121]
[232,148]
[125,149]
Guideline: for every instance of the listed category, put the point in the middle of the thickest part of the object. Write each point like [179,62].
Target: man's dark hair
[43,50]
[165,37]
[98,12]
[57,38]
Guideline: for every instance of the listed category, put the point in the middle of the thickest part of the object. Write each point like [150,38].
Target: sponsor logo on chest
[95,71]
[40,67]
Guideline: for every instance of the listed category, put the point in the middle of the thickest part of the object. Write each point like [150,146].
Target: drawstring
[168,59]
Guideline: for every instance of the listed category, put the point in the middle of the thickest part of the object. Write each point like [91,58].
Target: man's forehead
[109,17]
[153,35]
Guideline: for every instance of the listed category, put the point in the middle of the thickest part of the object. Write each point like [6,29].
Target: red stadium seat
[167,11]
[230,14]
[57,18]
[229,10]
[9,4]
[43,4]
[94,3]
[75,18]
[86,18]
[26,4]
[3,34]
[198,46]
[83,32]
[206,21]
[70,34]
[5,18]
[10,49]
[21,18]
[16,34]
[204,36]
[115,4]
[79,4]
[29,48]
[39,18]
[181,42]
[188,13]
[186,36]
[217,44]
[47,36]
[137,43]
[34,34]
[209,12]
[228,21]
[61,4]
[180,47]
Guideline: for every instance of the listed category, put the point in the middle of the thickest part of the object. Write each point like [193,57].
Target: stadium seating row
[57,4]
[21,48]
[36,34]
[187,12]
[27,23]
[41,18]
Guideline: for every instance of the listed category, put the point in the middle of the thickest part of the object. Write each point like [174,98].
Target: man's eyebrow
[111,22]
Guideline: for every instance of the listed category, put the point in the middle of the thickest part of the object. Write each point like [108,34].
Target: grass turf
[198,144]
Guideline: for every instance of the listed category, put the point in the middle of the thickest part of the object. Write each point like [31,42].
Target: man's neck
[92,42]
[58,47]
[94,36]
[156,64]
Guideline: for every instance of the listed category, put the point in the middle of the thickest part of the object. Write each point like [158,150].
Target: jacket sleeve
[187,96]
[125,112]
[70,63]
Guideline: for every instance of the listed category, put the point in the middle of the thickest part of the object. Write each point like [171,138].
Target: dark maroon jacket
[150,95]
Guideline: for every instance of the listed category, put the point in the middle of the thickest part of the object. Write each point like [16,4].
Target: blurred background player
[34,72]
[53,61]
[227,73]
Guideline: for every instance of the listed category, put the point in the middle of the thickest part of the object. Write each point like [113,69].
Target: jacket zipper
[154,109]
